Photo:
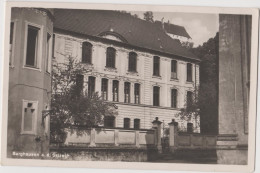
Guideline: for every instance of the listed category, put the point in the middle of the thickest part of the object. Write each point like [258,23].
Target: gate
[165,137]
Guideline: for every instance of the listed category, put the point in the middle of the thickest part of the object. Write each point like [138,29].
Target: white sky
[199,26]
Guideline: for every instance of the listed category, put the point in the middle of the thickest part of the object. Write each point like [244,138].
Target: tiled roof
[176,30]
[135,31]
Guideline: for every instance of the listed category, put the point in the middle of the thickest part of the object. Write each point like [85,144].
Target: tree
[208,90]
[71,106]
[148,16]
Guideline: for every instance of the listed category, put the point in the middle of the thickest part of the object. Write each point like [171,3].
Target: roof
[176,30]
[135,31]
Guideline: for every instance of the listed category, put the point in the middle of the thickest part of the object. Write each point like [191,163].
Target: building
[31,32]
[133,63]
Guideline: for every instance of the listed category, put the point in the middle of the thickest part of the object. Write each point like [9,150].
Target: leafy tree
[148,16]
[71,106]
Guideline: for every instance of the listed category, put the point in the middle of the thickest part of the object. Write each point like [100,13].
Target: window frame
[39,46]
[34,123]
[94,85]
[189,73]
[154,104]
[90,46]
[113,93]
[113,60]
[106,89]
[154,66]
[135,95]
[139,123]
[189,102]
[174,100]
[131,58]
[127,123]
[174,69]
[129,94]
[109,119]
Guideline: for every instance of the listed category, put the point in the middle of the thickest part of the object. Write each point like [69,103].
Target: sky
[199,26]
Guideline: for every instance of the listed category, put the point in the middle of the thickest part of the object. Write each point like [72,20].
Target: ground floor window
[136,123]
[126,123]
[109,121]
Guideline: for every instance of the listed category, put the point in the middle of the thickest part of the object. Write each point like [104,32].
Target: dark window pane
[47,67]
[109,121]
[87,53]
[11,32]
[32,41]
[132,61]
[189,127]
[91,85]
[115,90]
[104,85]
[126,123]
[174,69]
[136,123]
[110,60]
[174,98]
[79,83]
[156,96]
[189,72]
[137,93]
[127,92]
[189,99]
[156,66]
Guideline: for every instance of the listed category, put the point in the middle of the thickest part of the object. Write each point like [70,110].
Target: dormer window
[87,53]
[132,62]
[111,57]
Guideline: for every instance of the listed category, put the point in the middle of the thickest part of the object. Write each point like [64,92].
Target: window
[104,84]
[136,123]
[156,96]
[174,69]
[189,72]
[189,99]
[11,40]
[87,53]
[174,98]
[189,127]
[126,123]
[115,90]
[29,115]
[111,57]
[48,54]
[156,66]
[79,83]
[109,121]
[91,85]
[137,93]
[132,62]
[32,46]
[127,92]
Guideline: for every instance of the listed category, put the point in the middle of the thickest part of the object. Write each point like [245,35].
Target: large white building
[132,62]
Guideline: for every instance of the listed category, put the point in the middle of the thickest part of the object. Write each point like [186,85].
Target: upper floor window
[174,69]
[115,89]
[87,52]
[156,66]
[11,40]
[48,54]
[136,123]
[174,98]
[132,62]
[126,123]
[32,46]
[104,85]
[111,57]
[156,96]
[189,99]
[137,93]
[29,114]
[189,72]
[109,121]
[91,85]
[79,83]
[127,92]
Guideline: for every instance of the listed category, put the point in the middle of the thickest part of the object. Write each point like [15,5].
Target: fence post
[157,125]
[116,137]
[92,137]
[137,140]
[173,135]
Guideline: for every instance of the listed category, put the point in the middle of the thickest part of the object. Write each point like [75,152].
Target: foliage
[70,105]
[187,44]
[148,16]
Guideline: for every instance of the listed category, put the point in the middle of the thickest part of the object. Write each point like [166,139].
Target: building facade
[30,44]
[144,82]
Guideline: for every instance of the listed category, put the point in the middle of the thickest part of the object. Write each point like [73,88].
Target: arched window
[111,57]
[87,52]
[132,62]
